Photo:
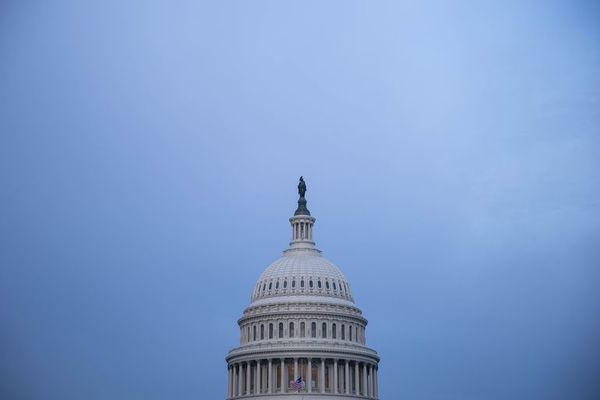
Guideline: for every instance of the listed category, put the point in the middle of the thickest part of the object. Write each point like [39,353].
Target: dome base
[304,396]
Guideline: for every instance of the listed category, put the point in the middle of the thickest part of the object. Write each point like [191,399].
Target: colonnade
[320,375]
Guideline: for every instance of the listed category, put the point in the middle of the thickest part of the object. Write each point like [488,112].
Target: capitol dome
[302,337]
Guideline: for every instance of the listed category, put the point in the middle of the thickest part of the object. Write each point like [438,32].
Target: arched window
[284,284]
[254,333]
[270,285]
[280,330]
[271,331]
[334,288]
[327,285]
[313,329]
[302,283]
[264,286]
[294,283]
[291,334]
[248,335]
[302,329]
[350,333]
[324,330]
[343,332]
[319,283]
[262,332]
[277,285]
[333,331]
[310,283]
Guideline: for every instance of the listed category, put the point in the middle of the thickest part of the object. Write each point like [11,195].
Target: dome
[302,275]
[302,337]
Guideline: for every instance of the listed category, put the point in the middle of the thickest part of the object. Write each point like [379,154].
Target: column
[247,384]
[238,385]
[270,377]
[356,378]
[364,386]
[347,377]
[258,377]
[232,383]
[322,376]
[335,376]
[376,385]
[372,381]
[233,376]
[283,385]
[228,381]
[309,373]
[241,379]
[369,380]
[295,368]
[233,380]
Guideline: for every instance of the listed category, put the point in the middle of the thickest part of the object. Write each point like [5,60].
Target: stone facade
[302,336]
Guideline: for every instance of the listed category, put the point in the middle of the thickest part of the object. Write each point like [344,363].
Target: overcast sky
[149,156]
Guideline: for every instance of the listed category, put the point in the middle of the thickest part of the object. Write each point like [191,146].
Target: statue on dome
[301,187]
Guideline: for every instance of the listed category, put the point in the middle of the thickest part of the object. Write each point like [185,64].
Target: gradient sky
[149,156]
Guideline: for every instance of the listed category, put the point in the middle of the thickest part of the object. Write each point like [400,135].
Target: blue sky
[149,153]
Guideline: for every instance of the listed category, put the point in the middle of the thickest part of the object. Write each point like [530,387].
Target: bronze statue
[301,187]
[302,210]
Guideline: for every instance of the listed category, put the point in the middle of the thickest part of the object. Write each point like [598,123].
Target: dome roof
[302,274]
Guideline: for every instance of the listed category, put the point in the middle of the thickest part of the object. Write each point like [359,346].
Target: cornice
[293,350]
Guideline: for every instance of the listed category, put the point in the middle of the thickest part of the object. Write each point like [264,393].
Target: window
[248,334]
[264,286]
[327,285]
[333,331]
[302,329]
[324,330]
[284,284]
[254,332]
[319,283]
[313,329]
[270,285]
[350,333]
[262,332]
[277,285]
[294,283]
[343,332]
[291,333]
[310,283]
[271,331]
[302,283]
[280,330]
[334,288]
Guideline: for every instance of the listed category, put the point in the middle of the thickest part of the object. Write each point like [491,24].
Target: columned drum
[302,337]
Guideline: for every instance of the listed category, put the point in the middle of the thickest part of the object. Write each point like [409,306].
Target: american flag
[297,385]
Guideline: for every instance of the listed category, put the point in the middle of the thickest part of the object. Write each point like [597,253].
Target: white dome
[302,274]
[302,337]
